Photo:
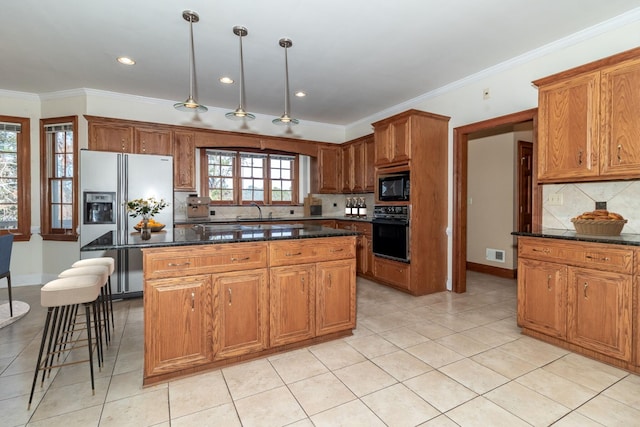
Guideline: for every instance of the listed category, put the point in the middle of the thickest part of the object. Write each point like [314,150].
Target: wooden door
[599,311]
[329,168]
[358,167]
[240,313]
[568,129]
[335,296]
[153,141]
[177,323]
[620,125]
[383,148]
[369,165]
[401,140]
[292,304]
[348,176]
[525,186]
[110,137]
[542,297]
[184,161]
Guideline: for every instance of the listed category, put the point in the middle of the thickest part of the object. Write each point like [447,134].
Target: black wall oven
[391,232]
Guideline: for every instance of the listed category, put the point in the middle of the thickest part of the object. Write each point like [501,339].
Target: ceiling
[353,58]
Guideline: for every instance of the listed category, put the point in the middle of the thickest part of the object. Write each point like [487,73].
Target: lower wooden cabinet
[177,324]
[335,296]
[392,272]
[580,295]
[292,294]
[240,313]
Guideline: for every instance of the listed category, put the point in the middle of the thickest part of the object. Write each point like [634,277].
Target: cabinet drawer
[311,250]
[204,259]
[541,249]
[393,272]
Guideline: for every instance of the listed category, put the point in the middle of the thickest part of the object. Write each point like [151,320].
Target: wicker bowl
[597,227]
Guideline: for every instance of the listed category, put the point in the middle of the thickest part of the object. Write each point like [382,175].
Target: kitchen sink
[249,218]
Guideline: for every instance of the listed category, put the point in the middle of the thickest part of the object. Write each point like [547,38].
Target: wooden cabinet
[109,136]
[542,297]
[240,313]
[293,305]
[393,142]
[593,281]
[328,166]
[599,311]
[588,129]
[153,141]
[364,246]
[358,168]
[177,324]
[184,161]
[335,296]
[392,272]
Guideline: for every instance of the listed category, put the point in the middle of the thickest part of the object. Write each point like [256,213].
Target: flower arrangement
[146,208]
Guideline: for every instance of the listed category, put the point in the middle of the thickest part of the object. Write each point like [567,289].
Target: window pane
[8,180]
[67,191]
[56,191]
[220,167]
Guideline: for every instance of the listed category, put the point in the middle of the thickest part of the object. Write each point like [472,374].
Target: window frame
[46,166]
[23,232]
[237,178]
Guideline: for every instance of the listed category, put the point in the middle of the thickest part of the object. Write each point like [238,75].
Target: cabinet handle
[619,153]
[606,258]
[240,259]
[144,146]
[580,157]
[290,254]
[336,250]
[584,289]
[122,142]
[302,281]
[549,282]
[545,250]
[229,290]
[193,301]
[173,264]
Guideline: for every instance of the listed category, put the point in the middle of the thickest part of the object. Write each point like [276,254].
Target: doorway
[460,178]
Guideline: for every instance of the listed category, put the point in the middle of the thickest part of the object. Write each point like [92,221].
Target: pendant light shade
[190,104]
[285,119]
[240,113]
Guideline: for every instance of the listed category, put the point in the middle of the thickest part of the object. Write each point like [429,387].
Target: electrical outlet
[555,199]
[601,205]
[291,212]
[212,212]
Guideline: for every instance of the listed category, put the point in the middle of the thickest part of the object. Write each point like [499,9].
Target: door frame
[460,177]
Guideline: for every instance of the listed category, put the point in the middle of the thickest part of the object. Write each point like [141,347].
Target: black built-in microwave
[394,187]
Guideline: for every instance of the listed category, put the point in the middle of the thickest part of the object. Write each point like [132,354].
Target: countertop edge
[563,234]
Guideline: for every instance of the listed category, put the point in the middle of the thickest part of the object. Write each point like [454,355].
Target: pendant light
[240,113]
[190,104]
[285,119]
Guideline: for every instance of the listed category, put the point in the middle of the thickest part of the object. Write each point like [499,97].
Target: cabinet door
[383,145]
[335,296]
[292,303]
[542,290]
[599,311]
[568,129]
[177,315]
[357,167]
[369,165]
[240,313]
[401,140]
[393,272]
[348,175]
[329,166]
[110,137]
[153,141]
[184,161]
[620,125]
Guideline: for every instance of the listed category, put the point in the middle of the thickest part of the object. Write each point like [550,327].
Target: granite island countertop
[563,234]
[203,234]
[266,219]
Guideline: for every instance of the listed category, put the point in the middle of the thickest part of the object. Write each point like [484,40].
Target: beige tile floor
[438,360]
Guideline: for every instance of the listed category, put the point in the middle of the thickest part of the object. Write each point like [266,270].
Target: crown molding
[19,95]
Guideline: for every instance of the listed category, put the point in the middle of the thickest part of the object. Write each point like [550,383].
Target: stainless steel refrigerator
[107,182]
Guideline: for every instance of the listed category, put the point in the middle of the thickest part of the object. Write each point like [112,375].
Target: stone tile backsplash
[622,197]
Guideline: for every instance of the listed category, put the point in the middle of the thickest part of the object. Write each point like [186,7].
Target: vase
[145,231]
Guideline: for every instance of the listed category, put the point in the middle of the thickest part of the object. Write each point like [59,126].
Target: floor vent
[495,255]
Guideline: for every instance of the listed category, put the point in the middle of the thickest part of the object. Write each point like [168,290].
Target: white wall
[509,84]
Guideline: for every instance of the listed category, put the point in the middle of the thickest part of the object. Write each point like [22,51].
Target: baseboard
[505,273]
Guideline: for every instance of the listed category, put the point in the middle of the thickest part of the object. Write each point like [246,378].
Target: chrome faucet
[259,210]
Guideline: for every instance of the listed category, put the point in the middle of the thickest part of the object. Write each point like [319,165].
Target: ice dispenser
[99,207]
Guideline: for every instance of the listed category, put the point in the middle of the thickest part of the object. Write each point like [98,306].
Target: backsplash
[622,197]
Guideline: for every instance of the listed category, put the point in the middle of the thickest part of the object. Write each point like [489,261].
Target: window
[15,196]
[58,171]
[243,177]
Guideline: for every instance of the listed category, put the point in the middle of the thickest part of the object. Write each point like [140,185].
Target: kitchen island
[580,292]
[221,294]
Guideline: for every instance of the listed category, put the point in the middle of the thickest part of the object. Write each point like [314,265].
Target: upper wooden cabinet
[393,144]
[125,137]
[184,161]
[153,141]
[110,136]
[328,165]
[358,169]
[588,123]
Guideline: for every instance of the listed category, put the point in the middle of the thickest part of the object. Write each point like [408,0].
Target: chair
[6,243]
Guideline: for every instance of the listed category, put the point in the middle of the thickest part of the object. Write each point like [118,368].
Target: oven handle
[390,221]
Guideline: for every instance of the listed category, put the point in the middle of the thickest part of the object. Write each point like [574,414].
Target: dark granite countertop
[243,220]
[553,233]
[217,233]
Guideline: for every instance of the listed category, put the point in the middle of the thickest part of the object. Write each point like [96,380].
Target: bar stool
[110,264]
[60,296]
[103,272]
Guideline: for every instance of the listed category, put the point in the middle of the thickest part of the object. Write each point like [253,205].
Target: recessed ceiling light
[300,94]
[126,61]
[226,80]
